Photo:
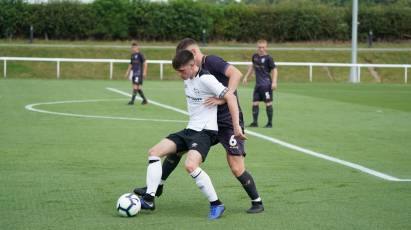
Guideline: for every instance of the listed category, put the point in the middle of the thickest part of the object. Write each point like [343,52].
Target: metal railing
[310,65]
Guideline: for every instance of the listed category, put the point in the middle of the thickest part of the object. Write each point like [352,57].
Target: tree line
[142,20]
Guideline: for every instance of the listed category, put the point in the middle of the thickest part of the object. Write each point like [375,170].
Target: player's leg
[269,106]
[169,164]
[203,182]
[269,110]
[235,159]
[154,170]
[237,166]
[134,93]
[256,109]
[199,148]
[140,91]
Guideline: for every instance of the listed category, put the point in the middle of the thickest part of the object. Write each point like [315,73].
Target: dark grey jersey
[263,65]
[137,60]
[217,67]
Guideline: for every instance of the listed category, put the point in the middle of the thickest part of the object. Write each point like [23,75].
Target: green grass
[290,74]
[61,172]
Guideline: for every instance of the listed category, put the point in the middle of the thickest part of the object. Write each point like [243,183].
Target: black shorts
[137,80]
[232,145]
[188,139]
[263,93]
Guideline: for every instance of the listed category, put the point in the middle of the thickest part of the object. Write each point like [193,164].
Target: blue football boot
[147,205]
[216,211]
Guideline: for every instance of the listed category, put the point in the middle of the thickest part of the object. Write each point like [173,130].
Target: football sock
[153,174]
[255,113]
[249,186]
[141,94]
[217,202]
[133,97]
[169,164]
[270,114]
[203,182]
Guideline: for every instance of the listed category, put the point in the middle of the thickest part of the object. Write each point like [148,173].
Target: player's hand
[274,86]
[211,101]
[244,81]
[238,133]
[144,76]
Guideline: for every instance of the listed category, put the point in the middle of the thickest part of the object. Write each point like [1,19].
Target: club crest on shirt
[262,60]
[194,145]
[196,92]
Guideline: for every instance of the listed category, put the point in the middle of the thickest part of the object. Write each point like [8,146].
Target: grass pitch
[65,172]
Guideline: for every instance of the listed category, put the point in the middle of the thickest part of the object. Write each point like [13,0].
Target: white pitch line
[291,146]
[31,108]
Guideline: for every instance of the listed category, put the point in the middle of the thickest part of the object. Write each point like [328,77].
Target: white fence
[310,65]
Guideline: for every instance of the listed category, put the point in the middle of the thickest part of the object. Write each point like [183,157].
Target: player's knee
[190,166]
[153,152]
[237,170]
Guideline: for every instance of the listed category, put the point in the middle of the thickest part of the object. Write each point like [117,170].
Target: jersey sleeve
[271,63]
[216,64]
[212,85]
[253,59]
[131,60]
[143,59]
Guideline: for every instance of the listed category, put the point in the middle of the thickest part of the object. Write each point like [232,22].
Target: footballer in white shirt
[199,135]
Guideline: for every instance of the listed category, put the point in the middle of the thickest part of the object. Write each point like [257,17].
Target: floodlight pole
[354,38]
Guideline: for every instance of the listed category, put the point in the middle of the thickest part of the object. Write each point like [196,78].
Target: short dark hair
[183,44]
[182,58]
[134,43]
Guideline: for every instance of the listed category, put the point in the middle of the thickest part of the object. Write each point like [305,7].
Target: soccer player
[266,81]
[229,76]
[200,134]
[136,72]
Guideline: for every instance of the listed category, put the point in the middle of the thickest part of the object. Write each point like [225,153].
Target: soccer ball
[128,205]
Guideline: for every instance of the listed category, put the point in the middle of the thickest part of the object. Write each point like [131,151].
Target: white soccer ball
[128,205]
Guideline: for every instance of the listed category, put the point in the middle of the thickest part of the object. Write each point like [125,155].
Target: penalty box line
[361,168]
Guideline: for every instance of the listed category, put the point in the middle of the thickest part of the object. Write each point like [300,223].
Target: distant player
[265,82]
[136,72]
[229,76]
[198,137]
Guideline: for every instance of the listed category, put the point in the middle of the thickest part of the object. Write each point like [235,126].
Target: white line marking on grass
[290,146]
[31,108]
[150,101]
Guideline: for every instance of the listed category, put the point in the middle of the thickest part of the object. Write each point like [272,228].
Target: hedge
[124,19]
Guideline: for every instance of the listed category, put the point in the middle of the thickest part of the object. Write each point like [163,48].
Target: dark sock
[217,202]
[141,94]
[248,184]
[133,97]
[255,113]
[270,114]
[169,164]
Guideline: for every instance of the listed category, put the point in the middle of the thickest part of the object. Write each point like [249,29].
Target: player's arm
[128,71]
[274,76]
[249,72]
[234,76]
[145,69]
[220,91]
[231,100]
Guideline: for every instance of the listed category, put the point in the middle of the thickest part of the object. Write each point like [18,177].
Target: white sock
[203,182]
[154,171]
